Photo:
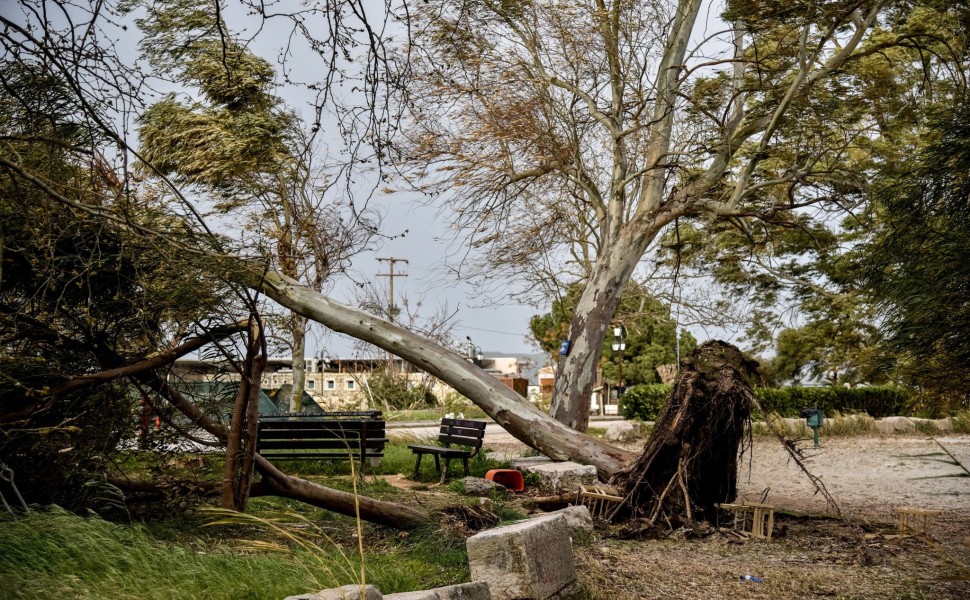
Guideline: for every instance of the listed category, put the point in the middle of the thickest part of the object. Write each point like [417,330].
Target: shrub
[876,401]
[645,401]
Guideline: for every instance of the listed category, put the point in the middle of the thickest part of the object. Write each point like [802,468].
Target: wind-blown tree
[571,135]
[243,147]
[79,295]
[161,233]
[915,268]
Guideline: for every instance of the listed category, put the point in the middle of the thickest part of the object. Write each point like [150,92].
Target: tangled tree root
[690,463]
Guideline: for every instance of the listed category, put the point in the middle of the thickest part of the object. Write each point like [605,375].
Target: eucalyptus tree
[573,134]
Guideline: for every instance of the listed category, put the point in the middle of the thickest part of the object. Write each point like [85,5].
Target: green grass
[54,553]
[961,422]
[397,460]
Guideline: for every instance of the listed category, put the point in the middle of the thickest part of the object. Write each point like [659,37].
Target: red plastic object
[510,478]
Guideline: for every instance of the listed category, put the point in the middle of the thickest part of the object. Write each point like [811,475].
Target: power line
[490,330]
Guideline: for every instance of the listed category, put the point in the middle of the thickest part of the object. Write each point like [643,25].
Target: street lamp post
[619,345]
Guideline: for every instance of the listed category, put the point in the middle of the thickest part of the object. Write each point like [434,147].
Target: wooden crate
[915,519]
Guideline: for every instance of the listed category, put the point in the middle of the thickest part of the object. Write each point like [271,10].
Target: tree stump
[690,463]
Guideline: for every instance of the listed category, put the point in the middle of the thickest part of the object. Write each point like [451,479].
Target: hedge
[644,401]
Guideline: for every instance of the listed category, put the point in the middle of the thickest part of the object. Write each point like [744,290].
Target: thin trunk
[234,445]
[298,332]
[241,443]
[252,418]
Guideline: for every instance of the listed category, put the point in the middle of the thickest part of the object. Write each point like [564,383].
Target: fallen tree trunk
[690,463]
[517,416]
[277,483]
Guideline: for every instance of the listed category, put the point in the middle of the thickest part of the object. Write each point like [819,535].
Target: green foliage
[392,391]
[649,334]
[877,401]
[916,267]
[79,294]
[645,401]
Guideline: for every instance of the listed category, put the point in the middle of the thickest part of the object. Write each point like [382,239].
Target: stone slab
[895,425]
[622,431]
[476,590]
[528,462]
[347,592]
[578,519]
[531,559]
[562,477]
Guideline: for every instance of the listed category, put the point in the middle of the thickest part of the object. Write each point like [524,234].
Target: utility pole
[391,309]
[391,274]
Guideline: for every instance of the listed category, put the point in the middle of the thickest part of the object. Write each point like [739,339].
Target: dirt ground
[811,556]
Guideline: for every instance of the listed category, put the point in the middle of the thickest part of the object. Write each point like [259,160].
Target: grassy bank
[53,553]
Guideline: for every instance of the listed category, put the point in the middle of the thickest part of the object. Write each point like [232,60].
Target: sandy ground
[869,476]
[861,556]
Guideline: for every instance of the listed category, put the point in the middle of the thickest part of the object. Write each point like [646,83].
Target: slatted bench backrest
[322,438]
[461,432]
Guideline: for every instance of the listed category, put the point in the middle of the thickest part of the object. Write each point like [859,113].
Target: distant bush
[876,401]
[645,401]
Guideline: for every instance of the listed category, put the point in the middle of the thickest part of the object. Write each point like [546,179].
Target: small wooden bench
[453,431]
[348,435]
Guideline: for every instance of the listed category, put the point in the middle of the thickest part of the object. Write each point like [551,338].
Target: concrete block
[578,519]
[562,477]
[527,462]
[528,560]
[347,592]
[476,590]
[622,431]
[895,425]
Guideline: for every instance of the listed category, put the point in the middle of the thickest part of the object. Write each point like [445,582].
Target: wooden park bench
[460,432]
[351,435]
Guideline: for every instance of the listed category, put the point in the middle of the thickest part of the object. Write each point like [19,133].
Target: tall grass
[56,554]
[837,425]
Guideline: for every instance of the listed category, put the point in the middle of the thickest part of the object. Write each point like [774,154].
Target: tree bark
[298,332]
[624,242]
[241,442]
[507,408]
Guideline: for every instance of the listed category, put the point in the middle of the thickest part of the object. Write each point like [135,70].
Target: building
[341,384]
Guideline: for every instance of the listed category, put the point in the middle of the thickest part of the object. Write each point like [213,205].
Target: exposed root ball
[690,463]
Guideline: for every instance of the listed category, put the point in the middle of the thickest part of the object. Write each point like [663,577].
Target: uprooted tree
[690,463]
[567,137]
[154,214]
